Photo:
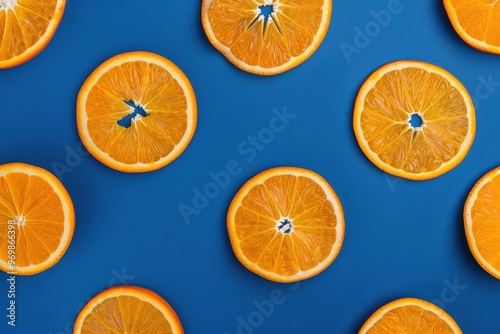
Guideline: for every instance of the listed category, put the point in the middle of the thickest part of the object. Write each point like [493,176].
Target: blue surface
[403,238]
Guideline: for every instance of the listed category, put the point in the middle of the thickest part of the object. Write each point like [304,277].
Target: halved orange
[37,219]
[476,22]
[127,309]
[414,120]
[286,224]
[266,37]
[409,316]
[153,96]
[482,222]
[26,27]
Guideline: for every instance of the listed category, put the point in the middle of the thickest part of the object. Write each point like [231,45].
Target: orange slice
[482,222]
[408,316]
[26,27]
[127,309]
[136,112]
[37,219]
[414,120]
[476,22]
[266,37]
[286,224]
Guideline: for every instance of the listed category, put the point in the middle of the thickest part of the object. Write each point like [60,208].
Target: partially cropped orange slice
[286,224]
[37,219]
[410,316]
[127,309]
[414,120]
[266,37]
[482,222]
[136,112]
[26,27]
[476,22]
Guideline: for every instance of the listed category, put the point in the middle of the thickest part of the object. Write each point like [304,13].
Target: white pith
[7,4]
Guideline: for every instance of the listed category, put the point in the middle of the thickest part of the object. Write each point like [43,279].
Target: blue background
[403,238]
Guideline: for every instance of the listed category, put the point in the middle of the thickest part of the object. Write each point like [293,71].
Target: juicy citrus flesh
[127,309]
[389,99]
[409,316]
[270,44]
[476,22]
[26,27]
[43,216]
[152,83]
[482,222]
[286,224]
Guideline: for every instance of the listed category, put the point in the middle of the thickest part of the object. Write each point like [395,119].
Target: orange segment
[151,140]
[414,120]
[408,316]
[286,224]
[26,27]
[482,222]
[266,43]
[477,22]
[41,214]
[127,309]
